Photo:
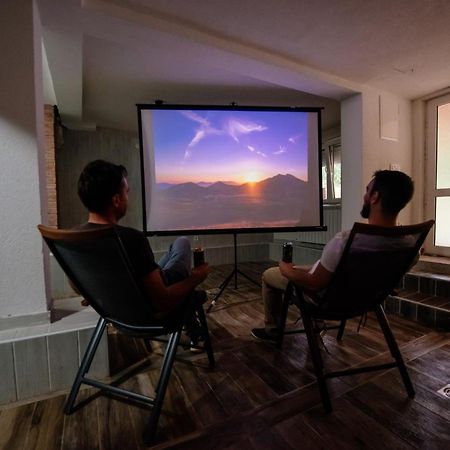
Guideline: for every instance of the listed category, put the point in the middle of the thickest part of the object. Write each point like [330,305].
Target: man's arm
[315,281]
[165,297]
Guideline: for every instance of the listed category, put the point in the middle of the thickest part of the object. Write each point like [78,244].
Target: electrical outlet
[394,166]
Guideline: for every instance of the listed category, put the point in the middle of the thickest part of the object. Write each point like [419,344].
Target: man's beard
[365,211]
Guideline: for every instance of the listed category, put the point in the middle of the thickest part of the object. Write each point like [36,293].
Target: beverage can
[287,252]
[199,256]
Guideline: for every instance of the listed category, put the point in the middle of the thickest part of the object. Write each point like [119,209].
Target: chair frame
[309,313]
[174,332]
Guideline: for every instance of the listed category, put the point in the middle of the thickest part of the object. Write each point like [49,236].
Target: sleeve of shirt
[332,252]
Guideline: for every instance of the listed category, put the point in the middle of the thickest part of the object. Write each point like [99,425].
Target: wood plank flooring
[256,397]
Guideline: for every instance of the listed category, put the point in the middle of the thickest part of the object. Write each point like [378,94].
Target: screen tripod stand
[234,273]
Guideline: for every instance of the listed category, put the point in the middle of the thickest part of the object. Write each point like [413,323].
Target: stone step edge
[403,299]
[429,275]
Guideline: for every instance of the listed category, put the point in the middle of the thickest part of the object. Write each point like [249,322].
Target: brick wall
[50,168]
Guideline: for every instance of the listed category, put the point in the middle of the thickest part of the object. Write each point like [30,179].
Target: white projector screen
[209,169]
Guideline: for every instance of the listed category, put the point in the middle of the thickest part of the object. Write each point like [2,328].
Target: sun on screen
[252,177]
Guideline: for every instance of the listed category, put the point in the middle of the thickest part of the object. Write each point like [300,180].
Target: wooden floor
[257,397]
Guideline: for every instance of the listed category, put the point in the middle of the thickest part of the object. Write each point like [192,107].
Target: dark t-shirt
[136,245]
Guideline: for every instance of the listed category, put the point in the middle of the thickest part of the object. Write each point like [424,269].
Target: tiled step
[423,297]
[37,360]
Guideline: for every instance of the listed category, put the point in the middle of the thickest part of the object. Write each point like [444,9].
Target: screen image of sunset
[228,169]
[236,146]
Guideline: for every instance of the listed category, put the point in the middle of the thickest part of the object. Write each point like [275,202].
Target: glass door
[437,196]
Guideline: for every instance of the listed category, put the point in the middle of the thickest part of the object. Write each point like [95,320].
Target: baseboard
[27,320]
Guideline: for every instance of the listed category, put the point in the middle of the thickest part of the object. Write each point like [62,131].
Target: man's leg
[176,263]
[176,266]
[273,286]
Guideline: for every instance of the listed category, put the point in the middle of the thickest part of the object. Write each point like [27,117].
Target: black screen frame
[163,106]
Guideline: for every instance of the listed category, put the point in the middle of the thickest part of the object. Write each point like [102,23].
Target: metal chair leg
[395,351]
[160,392]
[207,338]
[317,361]
[85,364]
[340,334]
[283,317]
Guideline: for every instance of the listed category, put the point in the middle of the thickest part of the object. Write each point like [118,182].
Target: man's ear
[375,197]
[115,200]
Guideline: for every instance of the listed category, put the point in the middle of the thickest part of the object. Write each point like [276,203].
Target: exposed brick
[50,168]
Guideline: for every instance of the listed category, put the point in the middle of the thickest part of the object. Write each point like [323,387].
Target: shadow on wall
[81,147]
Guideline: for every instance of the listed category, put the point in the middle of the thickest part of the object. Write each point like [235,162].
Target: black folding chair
[371,267]
[97,264]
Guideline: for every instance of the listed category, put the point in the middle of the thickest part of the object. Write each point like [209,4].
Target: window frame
[431,191]
[330,145]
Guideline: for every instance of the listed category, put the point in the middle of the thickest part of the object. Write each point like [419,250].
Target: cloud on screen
[233,128]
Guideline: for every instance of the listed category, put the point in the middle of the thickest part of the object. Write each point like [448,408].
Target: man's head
[391,188]
[103,187]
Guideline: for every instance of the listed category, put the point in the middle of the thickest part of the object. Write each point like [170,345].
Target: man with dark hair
[386,195]
[98,183]
[395,190]
[103,189]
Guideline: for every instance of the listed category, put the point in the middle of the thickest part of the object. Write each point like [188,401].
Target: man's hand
[286,269]
[199,273]
[165,297]
[314,281]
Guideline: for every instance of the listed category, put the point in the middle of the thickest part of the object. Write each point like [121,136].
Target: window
[331,171]
[437,199]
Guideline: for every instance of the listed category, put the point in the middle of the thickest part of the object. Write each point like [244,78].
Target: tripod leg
[248,278]
[222,288]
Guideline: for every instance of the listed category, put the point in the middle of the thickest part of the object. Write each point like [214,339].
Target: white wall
[364,151]
[381,153]
[22,290]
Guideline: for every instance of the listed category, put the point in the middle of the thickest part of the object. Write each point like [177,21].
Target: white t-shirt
[332,252]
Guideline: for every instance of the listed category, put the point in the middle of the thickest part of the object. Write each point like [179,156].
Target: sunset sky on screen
[233,146]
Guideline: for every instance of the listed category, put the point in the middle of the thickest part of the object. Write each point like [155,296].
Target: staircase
[424,295]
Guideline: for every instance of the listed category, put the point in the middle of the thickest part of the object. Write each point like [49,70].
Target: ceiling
[107,55]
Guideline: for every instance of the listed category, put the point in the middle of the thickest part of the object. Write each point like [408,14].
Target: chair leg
[340,334]
[85,364]
[317,361]
[161,387]
[283,316]
[395,351]
[207,338]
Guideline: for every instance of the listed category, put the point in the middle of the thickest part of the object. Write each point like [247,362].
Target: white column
[22,286]
[352,158]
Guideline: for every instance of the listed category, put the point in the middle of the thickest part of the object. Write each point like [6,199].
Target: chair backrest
[372,264]
[97,264]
